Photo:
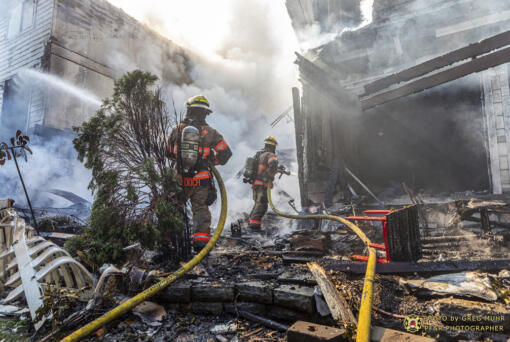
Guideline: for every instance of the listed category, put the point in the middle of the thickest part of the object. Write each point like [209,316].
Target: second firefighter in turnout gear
[265,166]
[193,144]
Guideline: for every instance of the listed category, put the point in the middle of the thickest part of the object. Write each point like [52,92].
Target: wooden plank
[299,127]
[492,140]
[31,287]
[470,51]
[451,74]
[484,218]
[422,267]
[380,334]
[337,304]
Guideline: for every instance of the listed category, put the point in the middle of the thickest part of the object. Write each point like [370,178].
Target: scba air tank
[250,170]
[190,141]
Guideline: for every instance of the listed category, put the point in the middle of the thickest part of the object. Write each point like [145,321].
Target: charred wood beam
[434,239]
[484,217]
[470,51]
[337,304]
[299,130]
[422,267]
[323,81]
[479,64]
[491,223]
[447,245]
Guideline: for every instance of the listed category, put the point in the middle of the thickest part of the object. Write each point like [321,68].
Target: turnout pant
[260,206]
[201,214]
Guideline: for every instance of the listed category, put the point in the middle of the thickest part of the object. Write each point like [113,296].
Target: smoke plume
[243,55]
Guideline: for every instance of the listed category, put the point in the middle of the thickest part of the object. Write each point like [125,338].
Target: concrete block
[297,278]
[284,314]
[295,297]
[176,293]
[207,308]
[502,139]
[212,292]
[255,291]
[255,308]
[311,332]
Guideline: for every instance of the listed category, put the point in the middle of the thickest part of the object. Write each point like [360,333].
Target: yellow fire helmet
[270,140]
[198,101]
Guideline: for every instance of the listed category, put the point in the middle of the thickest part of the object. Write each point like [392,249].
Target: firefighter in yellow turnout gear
[193,144]
[265,166]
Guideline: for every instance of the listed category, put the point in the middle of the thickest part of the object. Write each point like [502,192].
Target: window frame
[19,11]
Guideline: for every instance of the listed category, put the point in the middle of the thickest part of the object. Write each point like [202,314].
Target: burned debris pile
[256,290]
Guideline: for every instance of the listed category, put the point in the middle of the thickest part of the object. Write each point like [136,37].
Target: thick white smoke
[243,63]
[242,56]
[54,163]
[313,35]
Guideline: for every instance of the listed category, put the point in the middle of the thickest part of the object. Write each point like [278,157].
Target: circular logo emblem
[412,323]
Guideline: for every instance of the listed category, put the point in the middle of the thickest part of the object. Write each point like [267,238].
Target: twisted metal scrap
[28,263]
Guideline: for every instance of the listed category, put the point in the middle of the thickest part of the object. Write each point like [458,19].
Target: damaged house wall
[25,27]
[449,138]
[86,44]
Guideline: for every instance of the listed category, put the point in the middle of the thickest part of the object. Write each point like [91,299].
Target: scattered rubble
[255,291]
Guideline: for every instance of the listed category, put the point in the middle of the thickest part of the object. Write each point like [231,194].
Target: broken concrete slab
[295,297]
[212,292]
[210,308]
[255,291]
[176,293]
[310,332]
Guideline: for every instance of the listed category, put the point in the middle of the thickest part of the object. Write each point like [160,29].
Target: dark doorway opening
[434,141]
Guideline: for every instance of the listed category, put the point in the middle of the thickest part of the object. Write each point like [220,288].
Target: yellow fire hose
[151,291]
[365,310]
